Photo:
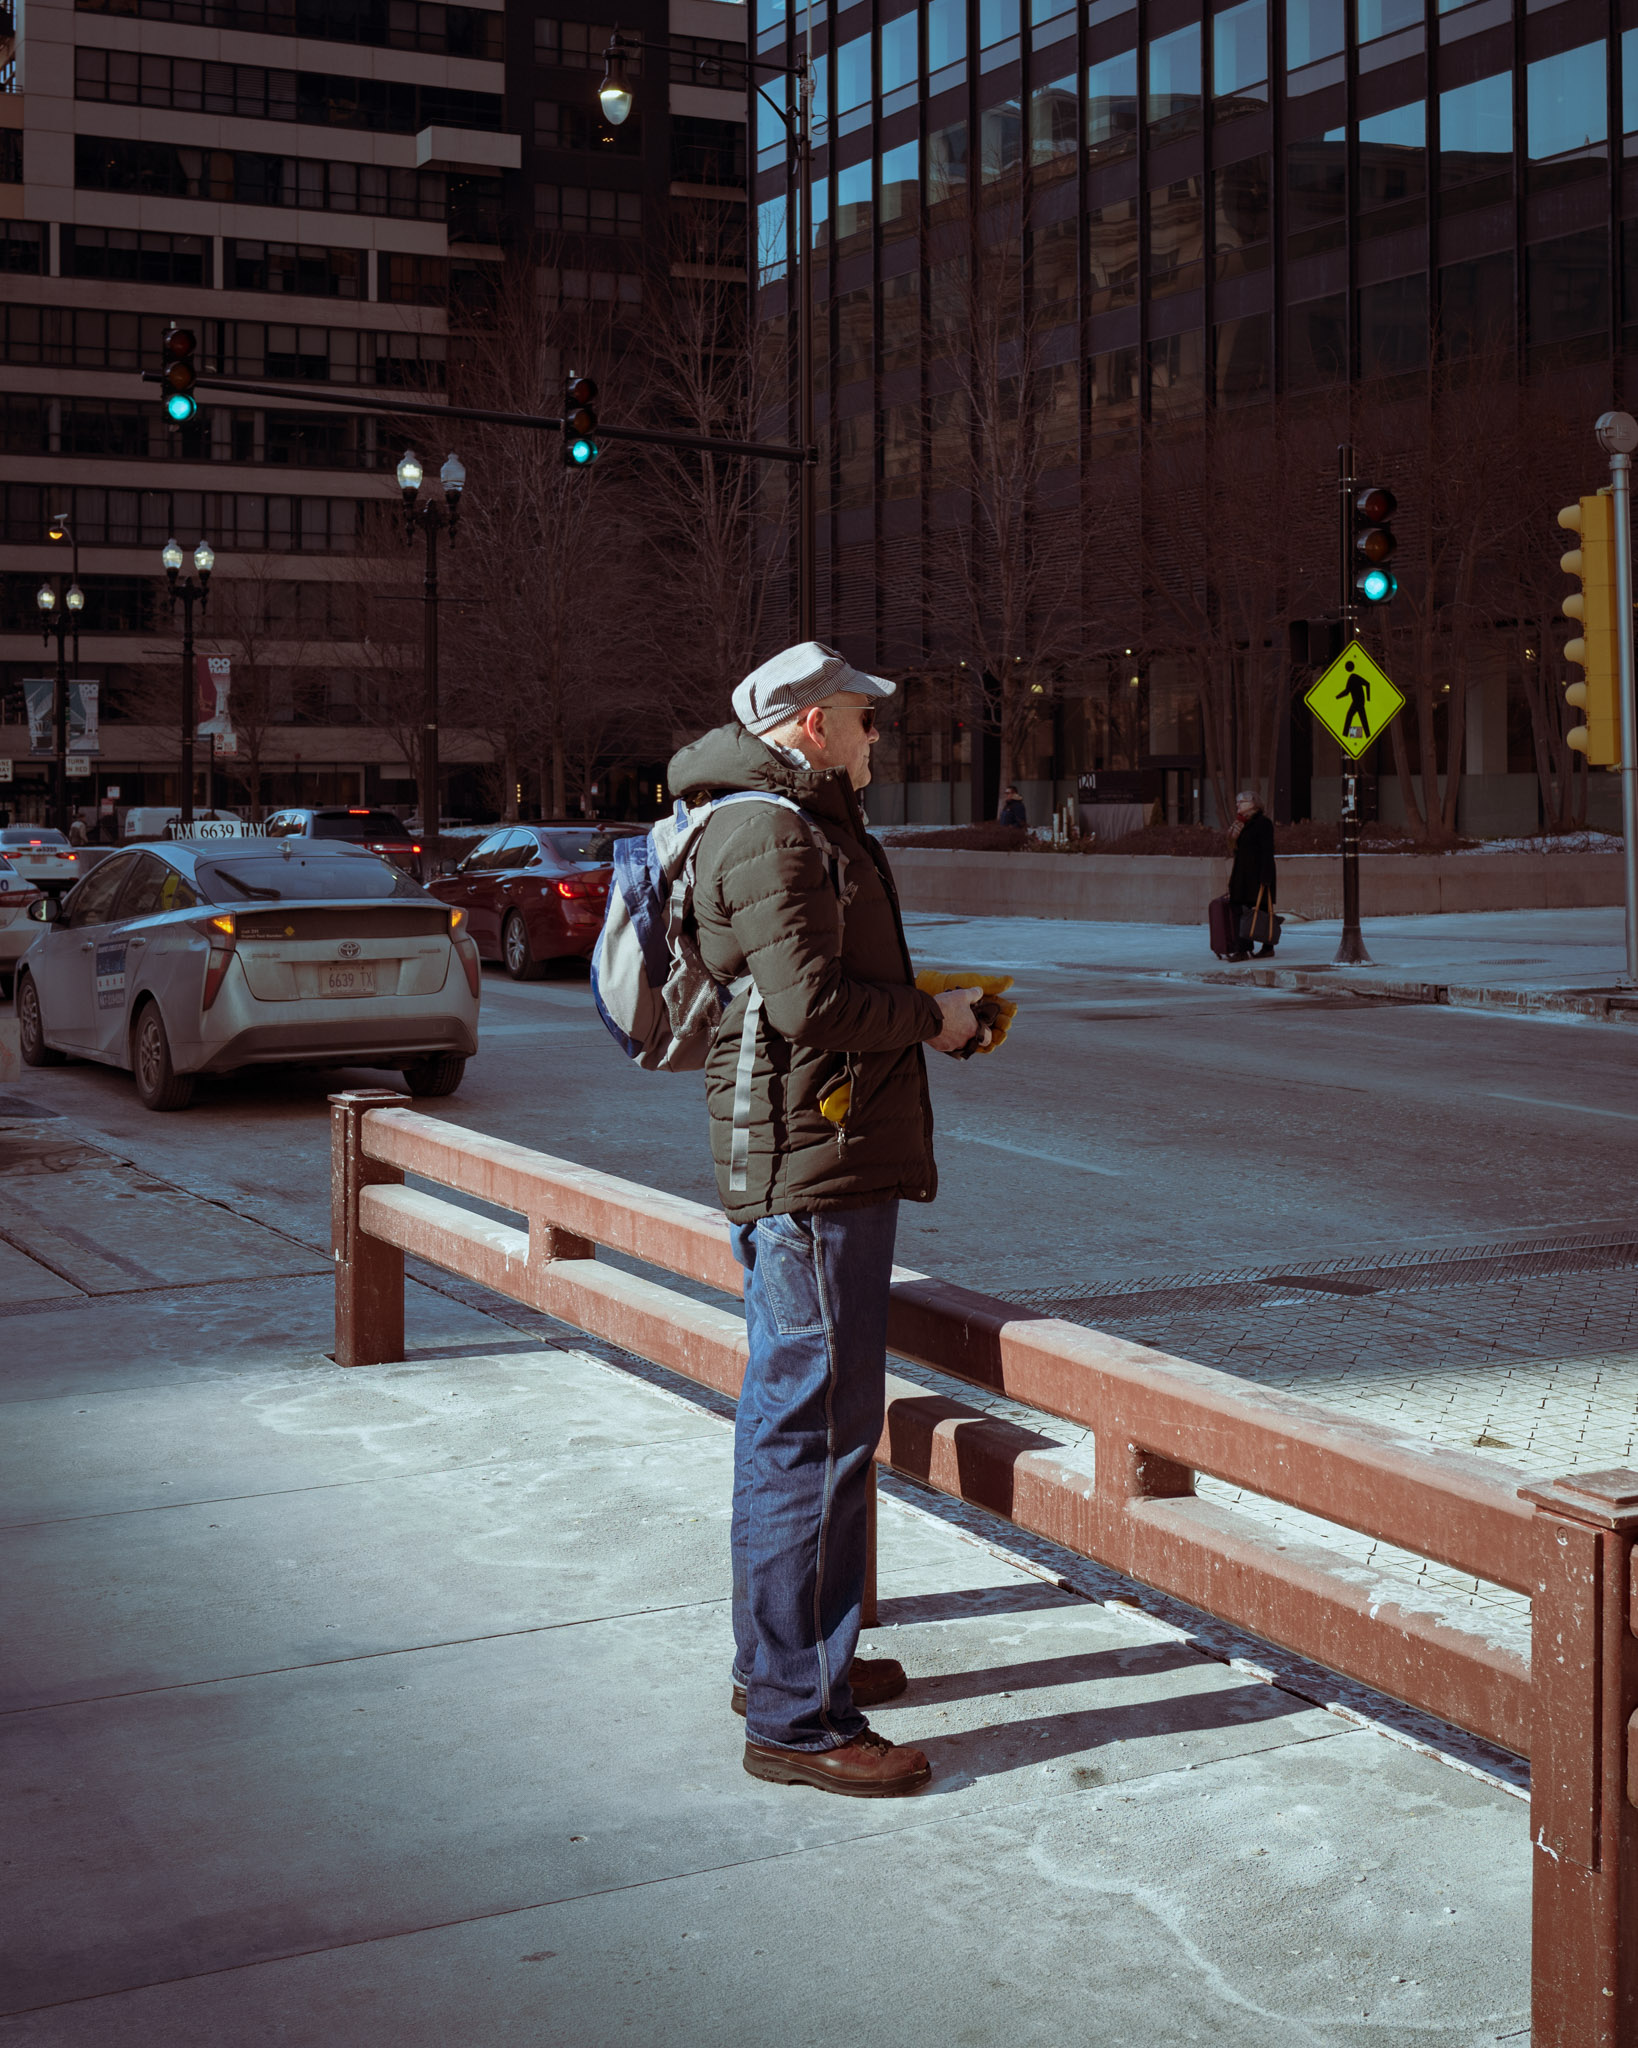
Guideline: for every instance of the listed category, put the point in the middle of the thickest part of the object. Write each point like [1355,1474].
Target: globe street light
[615,96]
[429,519]
[59,618]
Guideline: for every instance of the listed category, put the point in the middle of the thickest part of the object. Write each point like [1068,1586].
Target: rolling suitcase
[1223,924]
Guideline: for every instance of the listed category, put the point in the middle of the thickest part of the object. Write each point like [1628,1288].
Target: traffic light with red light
[1595,651]
[1374,544]
[177,377]
[579,422]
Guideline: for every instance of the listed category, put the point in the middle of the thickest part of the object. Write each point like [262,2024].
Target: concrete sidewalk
[1564,963]
[391,1707]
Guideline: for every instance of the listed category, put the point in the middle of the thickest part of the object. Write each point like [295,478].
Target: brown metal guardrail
[1156,1421]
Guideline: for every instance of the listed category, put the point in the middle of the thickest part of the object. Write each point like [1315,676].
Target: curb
[1600,1005]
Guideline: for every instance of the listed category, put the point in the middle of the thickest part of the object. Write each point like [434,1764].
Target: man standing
[1012,810]
[1251,879]
[816,1141]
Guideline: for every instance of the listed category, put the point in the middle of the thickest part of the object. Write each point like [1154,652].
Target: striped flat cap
[794,681]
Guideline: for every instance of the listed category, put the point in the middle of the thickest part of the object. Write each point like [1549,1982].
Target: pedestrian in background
[1251,889]
[1012,810]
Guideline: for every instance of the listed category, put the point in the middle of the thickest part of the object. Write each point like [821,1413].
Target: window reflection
[1393,173]
[901,321]
[1393,326]
[1567,289]
[997,21]
[947,172]
[1316,184]
[1476,144]
[1243,360]
[1313,29]
[855,337]
[1177,382]
[1241,218]
[901,451]
[853,74]
[1629,80]
[900,188]
[1564,97]
[1111,107]
[1112,394]
[946,33]
[1316,332]
[770,239]
[1053,253]
[1054,118]
[853,206]
[1387,17]
[1173,103]
[1476,305]
[1177,231]
[1112,247]
[900,55]
[1239,58]
[1000,141]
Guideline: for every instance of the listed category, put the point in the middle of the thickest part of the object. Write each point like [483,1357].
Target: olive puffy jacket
[838,991]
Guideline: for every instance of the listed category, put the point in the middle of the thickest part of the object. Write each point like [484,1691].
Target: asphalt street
[1130,1127]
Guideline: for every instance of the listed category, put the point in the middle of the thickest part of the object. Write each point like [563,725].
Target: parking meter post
[1618,436]
[369,1274]
[1583,1823]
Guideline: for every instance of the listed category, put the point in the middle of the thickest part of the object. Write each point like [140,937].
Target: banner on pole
[84,716]
[84,728]
[214,685]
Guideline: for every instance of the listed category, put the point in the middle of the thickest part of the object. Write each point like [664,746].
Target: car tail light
[578,885]
[223,935]
[466,952]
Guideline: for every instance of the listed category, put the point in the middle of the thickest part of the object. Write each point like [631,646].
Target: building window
[11,156]
[853,206]
[1244,364]
[901,453]
[125,256]
[1316,342]
[1476,306]
[423,25]
[947,172]
[1054,254]
[1568,287]
[772,253]
[900,52]
[1393,326]
[1239,58]
[251,91]
[946,35]
[22,246]
[1240,206]
[244,522]
[575,210]
[900,189]
[1316,184]
[706,152]
[600,287]
[293,267]
[1054,119]
[853,75]
[1112,254]
[414,280]
[1564,98]
[1387,17]
[1173,102]
[1476,142]
[702,60]
[1393,170]
[1177,231]
[1112,394]
[901,321]
[1313,29]
[581,45]
[238,177]
[1001,137]
[1177,382]
[1111,107]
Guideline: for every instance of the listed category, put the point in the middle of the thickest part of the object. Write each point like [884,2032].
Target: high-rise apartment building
[1214,211]
[310,186]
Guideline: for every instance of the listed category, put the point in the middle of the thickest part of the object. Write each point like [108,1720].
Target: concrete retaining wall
[1163,889]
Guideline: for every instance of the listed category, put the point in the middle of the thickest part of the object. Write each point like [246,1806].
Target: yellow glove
[994,1016]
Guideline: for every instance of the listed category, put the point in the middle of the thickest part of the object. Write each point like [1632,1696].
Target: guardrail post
[1584,1763]
[369,1274]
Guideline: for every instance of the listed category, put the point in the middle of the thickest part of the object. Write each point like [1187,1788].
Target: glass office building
[1213,209]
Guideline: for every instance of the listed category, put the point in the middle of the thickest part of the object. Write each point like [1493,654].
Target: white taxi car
[42,855]
[16,932]
[175,960]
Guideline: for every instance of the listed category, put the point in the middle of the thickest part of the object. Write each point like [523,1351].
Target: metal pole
[430,810]
[59,738]
[186,593]
[1618,435]
[807,543]
[1351,946]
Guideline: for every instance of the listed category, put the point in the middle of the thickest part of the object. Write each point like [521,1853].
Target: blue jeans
[807,1426]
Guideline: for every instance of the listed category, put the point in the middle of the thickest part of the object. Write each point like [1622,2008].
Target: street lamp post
[187,593]
[429,519]
[62,528]
[615,94]
[59,618]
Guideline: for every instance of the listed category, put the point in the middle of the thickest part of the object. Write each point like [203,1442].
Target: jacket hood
[729,758]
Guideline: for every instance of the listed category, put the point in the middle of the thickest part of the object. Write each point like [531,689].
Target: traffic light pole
[1351,947]
[1618,436]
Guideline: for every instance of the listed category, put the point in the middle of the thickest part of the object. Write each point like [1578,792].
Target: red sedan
[534,893]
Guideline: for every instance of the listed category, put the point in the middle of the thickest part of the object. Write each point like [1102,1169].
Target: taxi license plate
[347,981]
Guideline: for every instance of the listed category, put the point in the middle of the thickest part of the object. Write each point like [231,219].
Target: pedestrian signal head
[579,423]
[1374,543]
[177,378]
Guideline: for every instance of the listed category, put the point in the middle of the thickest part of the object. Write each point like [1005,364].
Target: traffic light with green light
[1597,695]
[1374,544]
[579,423]
[176,379]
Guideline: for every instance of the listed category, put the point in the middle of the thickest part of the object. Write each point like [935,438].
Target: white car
[175,960]
[42,855]
[16,932]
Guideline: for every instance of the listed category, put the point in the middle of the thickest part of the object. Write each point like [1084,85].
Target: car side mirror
[46,909]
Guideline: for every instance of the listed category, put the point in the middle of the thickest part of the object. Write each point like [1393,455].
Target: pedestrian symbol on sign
[1354,700]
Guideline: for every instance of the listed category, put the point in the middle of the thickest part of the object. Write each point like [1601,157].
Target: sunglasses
[867,715]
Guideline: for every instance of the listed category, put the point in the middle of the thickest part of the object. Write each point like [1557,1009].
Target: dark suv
[379,831]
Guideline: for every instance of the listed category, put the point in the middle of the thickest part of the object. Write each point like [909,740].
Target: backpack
[652,990]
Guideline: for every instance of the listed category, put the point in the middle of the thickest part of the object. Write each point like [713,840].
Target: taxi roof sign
[1354,700]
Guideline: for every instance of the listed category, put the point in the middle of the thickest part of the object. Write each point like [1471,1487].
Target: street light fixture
[615,95]
[429,519]
[59,618]
[187,593]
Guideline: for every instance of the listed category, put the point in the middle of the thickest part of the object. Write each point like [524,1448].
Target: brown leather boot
[868,1767]
[873,1681]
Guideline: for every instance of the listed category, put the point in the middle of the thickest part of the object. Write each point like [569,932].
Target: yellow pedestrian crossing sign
[1354,700]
